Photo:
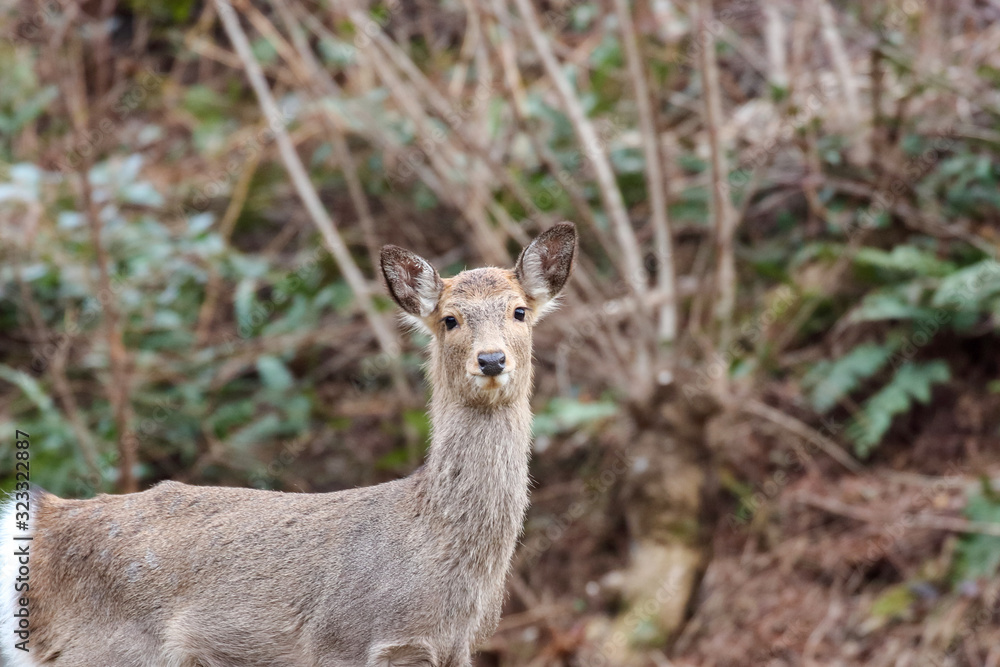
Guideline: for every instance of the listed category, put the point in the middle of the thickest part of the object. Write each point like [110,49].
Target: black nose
[491,363]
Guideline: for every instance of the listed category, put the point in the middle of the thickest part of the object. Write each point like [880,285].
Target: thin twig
[776,33]
[85,439]
[854,123]
[470,45]
[468,140]
[57,368]
[801,429]
[656,185]
[443,157]
[119,389]
[833,613]
[722,208]
[951,524]
[206,313]
[591,285]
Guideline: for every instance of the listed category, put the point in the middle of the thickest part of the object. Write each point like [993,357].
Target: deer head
[480,321]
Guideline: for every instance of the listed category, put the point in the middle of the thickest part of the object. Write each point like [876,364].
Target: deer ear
[413,282]
[544,266]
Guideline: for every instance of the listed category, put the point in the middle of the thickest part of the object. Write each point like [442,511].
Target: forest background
[768,412]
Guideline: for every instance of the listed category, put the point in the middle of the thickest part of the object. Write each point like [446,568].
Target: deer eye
[519,314]
[450,322]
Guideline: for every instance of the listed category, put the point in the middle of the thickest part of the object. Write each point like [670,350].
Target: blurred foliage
[564,414]
[248,358]
[158,269]
[978,556]
[906,288]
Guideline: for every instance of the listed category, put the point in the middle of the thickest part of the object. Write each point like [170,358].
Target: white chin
[487,382]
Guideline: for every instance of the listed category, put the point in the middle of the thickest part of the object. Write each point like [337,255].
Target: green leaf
[395,459]
[142,194]
[628,160]
[274,374]
[691,206]
[894,603]
[904,259]
[565,414]
[967,288]
[423,198]
[419,420]
[259,430]
[832,381]
[264,50]
[244,301]
[204,103]
[338,295]
[888,305]
[32,108]
[979,555]
[911,383]
[692,163]
[607,54]
[29,386]
[228,416]
[337,52]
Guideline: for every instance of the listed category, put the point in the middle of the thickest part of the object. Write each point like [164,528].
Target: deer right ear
[544,266]
[413,282]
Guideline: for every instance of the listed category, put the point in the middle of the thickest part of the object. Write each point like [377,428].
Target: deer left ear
[412,281]
[544,266]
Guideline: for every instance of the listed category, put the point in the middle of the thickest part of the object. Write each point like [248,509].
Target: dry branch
[854,124]
[611,195]
[949,524]
[775,36]
[119,389]
[445,159]
[656,185]
[85,439]
[300,179]
[801,429]
[468,141]
[341,150]
[722,208]
[213,288]
[60,381]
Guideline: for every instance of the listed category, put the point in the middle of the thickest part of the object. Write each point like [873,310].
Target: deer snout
[492,363]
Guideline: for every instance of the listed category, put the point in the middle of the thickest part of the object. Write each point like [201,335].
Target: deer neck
[477,476]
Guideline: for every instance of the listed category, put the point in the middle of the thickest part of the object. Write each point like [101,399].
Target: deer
[411,572]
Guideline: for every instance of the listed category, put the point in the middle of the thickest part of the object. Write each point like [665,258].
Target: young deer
[405,573]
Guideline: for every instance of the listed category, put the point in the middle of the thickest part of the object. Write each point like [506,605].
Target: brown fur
[406,573]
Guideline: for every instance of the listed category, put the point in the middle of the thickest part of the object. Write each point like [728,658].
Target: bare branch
[722,207]
[445,159]
[775,36]
[854,122]
[300,179]
[801,429]
[949,524]
[656,185]
[213,288]
[119,389]
[341,151]
[587,136]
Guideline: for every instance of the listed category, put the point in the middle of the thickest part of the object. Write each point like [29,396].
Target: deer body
[410,572]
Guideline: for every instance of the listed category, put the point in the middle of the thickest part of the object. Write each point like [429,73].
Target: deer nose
[492,363]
